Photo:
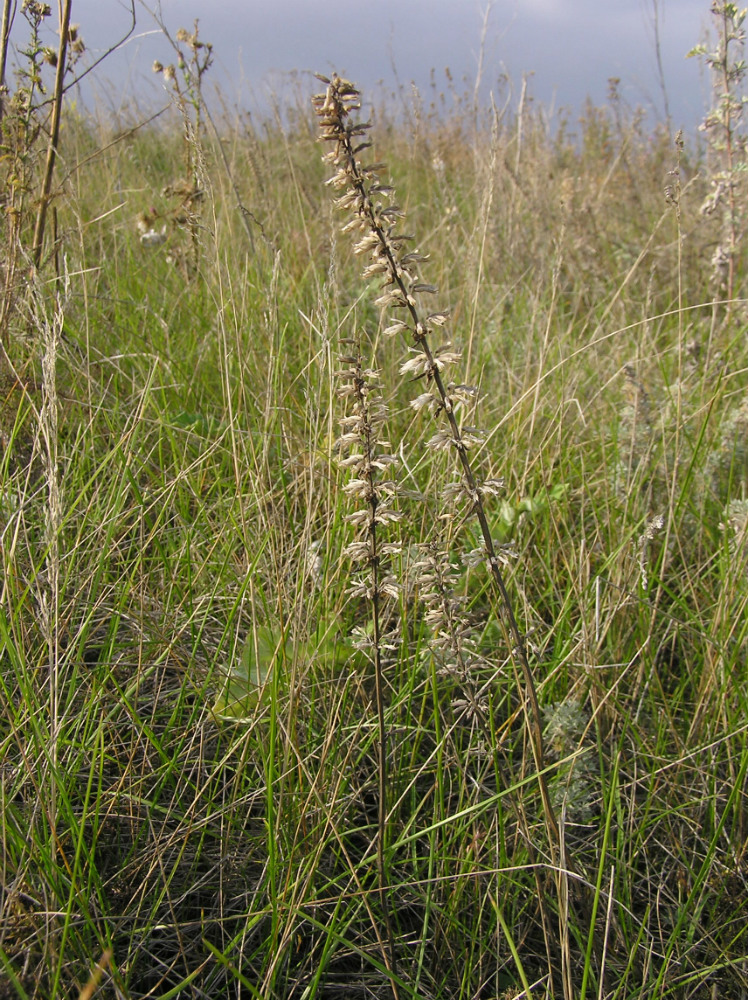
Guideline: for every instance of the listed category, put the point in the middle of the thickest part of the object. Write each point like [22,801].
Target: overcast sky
[571,47]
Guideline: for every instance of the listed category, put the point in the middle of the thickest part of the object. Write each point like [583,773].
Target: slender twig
[54,137]
[8,10]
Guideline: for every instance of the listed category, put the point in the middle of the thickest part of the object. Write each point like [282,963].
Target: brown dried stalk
[54,136]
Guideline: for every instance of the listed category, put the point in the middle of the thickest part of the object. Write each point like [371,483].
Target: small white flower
[425,400]
[492,487]
[358,517]
[472,436]
[437,318]
[358,551]
[152,238]
[375,268]
[440,441]
[653,527]
[314,562]
[387,516]
[417,366]
[389,587]
[446,355]
[366,244]
[392,297]
[358,488]
[394,328]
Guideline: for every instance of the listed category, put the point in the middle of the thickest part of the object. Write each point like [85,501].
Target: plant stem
[54,137]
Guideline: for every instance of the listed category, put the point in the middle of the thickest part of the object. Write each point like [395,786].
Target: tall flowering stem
[362,453]
[724,128]
[376,219]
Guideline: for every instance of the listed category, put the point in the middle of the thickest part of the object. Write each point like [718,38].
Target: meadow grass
[191,785]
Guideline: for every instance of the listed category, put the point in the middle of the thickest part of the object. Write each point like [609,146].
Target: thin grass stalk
[451,635]
[49,596]
[54,137]
[382,868]
[96,976]
[598,891]
[4,42]
[245,215]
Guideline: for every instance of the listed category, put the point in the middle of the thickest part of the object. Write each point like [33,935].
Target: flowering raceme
[377,221]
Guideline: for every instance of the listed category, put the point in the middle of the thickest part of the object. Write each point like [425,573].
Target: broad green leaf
[247,679]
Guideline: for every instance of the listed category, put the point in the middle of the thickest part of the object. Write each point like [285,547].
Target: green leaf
[246,682]
[194,422]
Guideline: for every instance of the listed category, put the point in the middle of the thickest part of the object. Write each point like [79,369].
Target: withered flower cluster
[377,220]
[363,454]
[453,638]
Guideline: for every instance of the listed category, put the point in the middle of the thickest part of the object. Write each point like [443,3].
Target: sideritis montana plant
[404,296]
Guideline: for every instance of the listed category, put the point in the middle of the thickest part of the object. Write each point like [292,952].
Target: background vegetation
[188,733]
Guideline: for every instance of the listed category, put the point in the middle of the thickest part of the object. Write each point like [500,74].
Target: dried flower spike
[365,198]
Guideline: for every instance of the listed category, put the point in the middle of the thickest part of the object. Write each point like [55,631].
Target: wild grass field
[290,706]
